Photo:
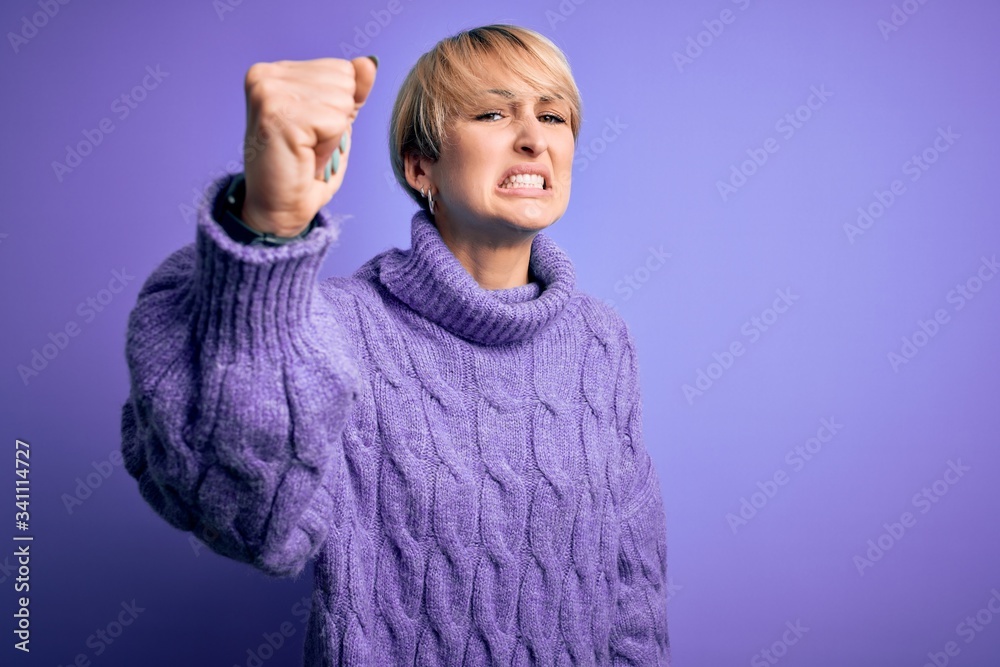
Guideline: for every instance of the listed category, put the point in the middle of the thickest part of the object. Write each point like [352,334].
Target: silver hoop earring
[430,199]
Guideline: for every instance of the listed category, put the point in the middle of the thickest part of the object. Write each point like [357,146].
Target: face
[511,128]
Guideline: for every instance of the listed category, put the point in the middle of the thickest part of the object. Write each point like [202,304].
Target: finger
[314,121]
[334,161]
[364,74]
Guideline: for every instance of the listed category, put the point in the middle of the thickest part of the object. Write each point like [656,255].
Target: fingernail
[326,171]
[374,60]
[336,160]
[343,142]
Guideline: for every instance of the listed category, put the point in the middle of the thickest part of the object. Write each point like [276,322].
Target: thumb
[364,77]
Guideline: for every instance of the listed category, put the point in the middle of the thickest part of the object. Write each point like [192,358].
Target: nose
[530,137]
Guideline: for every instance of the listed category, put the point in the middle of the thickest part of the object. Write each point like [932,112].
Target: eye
[552,119]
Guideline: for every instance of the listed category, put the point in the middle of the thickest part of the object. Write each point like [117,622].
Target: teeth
[524,181]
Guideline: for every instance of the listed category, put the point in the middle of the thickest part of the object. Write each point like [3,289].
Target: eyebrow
[503,92]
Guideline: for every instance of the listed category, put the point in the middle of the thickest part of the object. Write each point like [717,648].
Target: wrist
[253,221]
[230,212]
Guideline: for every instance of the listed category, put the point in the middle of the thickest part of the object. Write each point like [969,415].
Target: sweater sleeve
[241,382]
[639,635]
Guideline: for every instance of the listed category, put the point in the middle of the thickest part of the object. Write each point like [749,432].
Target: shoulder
[606,323]
[363,306]
[358,290]
[175,270]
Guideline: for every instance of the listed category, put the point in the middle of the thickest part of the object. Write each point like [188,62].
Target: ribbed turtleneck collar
[430,279]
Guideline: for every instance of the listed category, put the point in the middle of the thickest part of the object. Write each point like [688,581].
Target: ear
[416,168]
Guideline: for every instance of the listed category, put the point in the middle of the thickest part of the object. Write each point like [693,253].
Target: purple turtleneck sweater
[464,468]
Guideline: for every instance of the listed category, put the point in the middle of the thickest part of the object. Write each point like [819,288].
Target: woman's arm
[241,383]
[639,635]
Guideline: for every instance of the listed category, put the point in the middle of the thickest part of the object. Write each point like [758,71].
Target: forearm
[241,384]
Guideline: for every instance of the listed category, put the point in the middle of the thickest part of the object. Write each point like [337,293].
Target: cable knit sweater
[464,468]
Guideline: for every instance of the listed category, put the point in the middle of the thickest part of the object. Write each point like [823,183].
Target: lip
[527,168]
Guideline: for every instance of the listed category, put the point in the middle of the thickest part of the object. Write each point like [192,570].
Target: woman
[452,435]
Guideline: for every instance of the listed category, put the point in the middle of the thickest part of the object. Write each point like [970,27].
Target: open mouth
[523,181]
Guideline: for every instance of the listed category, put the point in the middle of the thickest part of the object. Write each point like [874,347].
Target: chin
[530,215]
[534,224]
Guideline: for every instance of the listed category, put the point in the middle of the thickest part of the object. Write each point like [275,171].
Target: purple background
[657,139]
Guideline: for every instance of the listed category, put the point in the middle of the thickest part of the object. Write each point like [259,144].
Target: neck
[430,280]
[494,262]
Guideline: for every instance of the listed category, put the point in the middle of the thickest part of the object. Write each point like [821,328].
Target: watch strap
[229,207]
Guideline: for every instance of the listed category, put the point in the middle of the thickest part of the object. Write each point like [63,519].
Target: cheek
[563,172]
[477,170]
[563,152]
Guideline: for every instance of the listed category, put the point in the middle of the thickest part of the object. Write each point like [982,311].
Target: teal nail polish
[374,59]
[336,160]
[343,142]
[326,172]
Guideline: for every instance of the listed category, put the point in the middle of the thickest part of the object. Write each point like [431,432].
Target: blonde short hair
[440,85]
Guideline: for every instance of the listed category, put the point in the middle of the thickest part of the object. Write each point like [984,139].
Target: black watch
[227,212]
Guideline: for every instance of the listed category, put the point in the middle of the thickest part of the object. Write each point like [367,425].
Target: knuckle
[267,95]
[256,73]
[259,92]
[343,66]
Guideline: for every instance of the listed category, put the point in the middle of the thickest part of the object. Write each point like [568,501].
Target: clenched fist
[301,110]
